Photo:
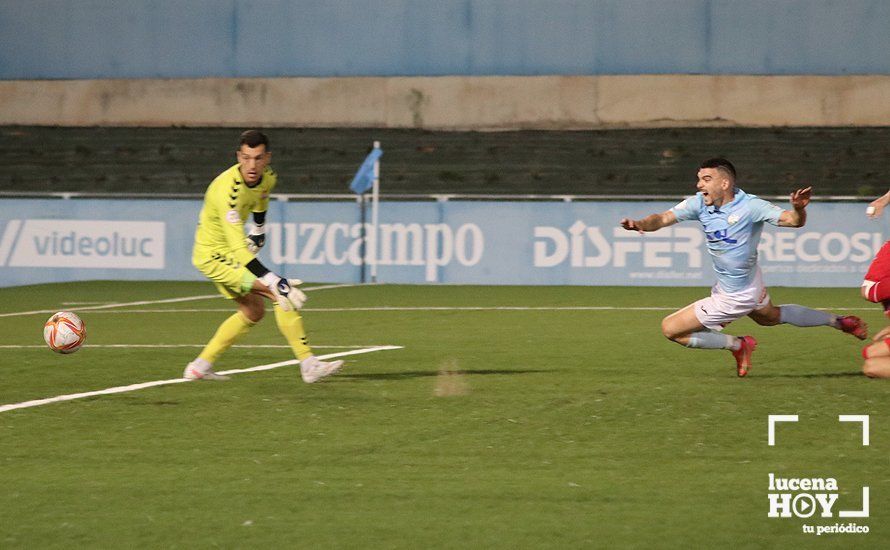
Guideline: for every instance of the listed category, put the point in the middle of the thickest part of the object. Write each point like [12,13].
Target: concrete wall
[83,39]
[482,103]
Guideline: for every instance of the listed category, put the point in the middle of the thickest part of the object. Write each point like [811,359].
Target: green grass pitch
[529,426]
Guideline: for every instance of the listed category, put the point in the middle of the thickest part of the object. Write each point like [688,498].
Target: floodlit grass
[554,427]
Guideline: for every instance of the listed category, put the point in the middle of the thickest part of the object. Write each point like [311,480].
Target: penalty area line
[154,383]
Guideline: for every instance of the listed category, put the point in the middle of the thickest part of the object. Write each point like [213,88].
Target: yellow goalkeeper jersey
[227,204]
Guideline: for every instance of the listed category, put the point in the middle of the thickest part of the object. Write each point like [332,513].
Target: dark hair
[254,138]
[719,163]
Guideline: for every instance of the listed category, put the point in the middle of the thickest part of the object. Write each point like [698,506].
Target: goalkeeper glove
[285,291]
[256,238]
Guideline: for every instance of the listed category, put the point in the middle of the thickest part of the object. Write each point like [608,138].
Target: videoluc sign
[91,244]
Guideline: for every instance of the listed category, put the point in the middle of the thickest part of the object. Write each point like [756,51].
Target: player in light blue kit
[732,221]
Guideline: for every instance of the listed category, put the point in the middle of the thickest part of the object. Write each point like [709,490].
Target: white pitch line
[150,302]
[122,304]
[341,285]
[459,308]
[526,308]
[143,385]
[411,308]
[248,346]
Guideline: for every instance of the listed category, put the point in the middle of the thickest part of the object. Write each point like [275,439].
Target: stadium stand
[771,161]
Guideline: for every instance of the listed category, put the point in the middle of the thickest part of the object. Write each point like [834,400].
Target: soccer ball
[64,332]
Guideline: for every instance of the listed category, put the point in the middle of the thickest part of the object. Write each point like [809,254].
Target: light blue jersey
[733,233]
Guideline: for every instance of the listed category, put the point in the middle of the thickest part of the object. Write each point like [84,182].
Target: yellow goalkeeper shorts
[232,279]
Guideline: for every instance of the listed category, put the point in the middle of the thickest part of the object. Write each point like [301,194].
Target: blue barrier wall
[41,39]
[534,243]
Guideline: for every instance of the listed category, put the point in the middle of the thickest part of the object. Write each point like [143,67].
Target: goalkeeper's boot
[313,369]
[743,355]
[201,370]
[853,325]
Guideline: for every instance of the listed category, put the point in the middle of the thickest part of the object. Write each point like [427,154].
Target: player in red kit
[876,288]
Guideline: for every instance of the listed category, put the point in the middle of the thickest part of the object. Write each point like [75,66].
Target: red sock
[865,349]
[879,292]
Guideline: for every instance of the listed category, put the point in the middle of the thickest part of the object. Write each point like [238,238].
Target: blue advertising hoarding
[455,242]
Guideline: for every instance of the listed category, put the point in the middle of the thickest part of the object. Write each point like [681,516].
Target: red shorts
[880,266]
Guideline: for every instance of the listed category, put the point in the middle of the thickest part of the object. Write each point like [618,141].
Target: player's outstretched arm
[650,223]
[876,207]
[797,216]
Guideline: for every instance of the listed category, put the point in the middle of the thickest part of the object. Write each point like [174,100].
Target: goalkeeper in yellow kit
[227,257]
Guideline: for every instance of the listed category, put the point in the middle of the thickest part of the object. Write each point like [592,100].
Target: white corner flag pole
[375,200]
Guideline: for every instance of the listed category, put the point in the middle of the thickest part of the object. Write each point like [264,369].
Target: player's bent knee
[254,310]
[869,368]
[256,316]
[669,330]
[878,367]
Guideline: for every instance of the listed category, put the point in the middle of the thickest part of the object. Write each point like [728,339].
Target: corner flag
[364,177]
[368,178]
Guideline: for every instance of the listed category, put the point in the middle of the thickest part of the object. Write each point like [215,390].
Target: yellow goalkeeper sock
[291,326]
[228,332]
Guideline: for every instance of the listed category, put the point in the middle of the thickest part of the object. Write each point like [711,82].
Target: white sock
[709,339]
